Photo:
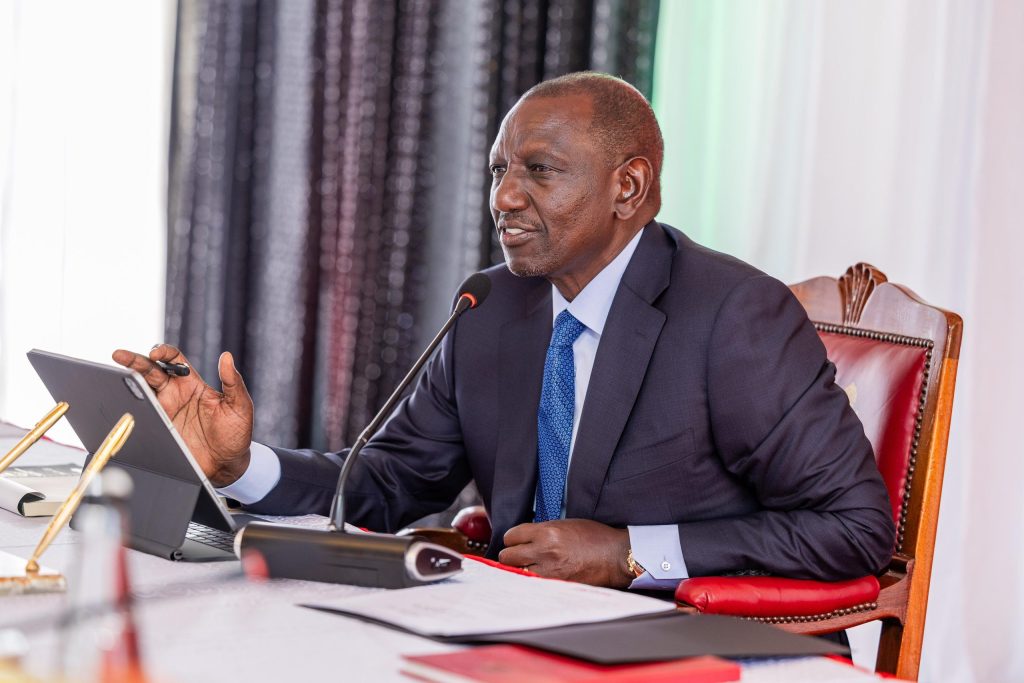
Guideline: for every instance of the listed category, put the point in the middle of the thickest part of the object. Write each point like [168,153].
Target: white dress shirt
[656,548]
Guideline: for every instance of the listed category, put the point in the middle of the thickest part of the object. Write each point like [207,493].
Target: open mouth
[514,235]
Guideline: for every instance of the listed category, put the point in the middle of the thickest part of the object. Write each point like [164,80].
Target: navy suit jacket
[711,406]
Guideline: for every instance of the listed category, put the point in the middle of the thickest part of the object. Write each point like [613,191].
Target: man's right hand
[217,427]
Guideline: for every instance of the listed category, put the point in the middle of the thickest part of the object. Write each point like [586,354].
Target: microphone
[471,294]
[364,559]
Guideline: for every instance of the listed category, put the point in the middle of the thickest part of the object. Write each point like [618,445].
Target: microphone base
[371,560]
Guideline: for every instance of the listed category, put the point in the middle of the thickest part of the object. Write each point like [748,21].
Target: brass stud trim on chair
[928,345]
[806,618]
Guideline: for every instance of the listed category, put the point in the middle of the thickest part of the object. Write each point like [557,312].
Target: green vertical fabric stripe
[682,63]
[710,81]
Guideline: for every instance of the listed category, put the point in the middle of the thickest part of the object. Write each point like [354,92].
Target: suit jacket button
[666,565]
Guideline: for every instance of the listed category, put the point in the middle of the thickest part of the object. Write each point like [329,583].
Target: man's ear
[633,181]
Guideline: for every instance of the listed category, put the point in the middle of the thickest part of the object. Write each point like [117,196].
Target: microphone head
[476,288]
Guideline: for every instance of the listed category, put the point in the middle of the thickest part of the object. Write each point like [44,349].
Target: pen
[173,369]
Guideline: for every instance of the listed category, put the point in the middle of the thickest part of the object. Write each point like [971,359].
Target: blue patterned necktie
[555,416]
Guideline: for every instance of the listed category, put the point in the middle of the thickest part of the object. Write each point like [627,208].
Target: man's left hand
[579,550]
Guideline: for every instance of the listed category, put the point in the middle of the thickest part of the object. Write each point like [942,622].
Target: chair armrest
[474,523]
[768,596]
[470,532]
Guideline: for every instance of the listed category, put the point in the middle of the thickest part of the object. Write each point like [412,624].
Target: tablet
[174,510]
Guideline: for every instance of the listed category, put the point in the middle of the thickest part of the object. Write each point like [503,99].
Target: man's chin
[520,269]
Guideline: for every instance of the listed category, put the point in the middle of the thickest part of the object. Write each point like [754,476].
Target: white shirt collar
[591,305]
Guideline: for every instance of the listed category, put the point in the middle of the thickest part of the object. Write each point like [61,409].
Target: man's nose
[507,194]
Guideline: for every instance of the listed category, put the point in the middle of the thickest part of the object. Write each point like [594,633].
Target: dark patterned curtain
[328,180]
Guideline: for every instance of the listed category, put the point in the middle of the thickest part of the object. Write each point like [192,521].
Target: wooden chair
[896,357]
[469,533]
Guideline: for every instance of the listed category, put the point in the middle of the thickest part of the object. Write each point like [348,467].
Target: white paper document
[37,490]
[39,483]
[483,600]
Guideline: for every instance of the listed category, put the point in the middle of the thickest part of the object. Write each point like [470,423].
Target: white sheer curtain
[806,136]
[84,95]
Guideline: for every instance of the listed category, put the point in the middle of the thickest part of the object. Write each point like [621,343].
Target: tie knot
[567,329]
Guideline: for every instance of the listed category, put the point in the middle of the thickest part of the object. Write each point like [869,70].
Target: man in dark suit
[634,408]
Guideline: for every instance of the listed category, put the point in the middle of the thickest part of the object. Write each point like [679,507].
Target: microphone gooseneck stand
[361,559]
[465,302]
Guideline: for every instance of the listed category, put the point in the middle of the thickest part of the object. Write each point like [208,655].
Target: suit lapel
[630,335]
[523,346]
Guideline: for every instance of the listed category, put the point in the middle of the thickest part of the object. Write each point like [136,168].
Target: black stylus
[173,369]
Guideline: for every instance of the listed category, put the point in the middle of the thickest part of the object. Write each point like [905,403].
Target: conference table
[200,622]
[196,625]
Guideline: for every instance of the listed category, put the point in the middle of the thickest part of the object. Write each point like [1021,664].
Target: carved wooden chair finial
[856,287]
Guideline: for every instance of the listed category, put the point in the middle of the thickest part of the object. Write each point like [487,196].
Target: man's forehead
[543,119]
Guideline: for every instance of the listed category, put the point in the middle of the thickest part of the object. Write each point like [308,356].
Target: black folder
[668,636]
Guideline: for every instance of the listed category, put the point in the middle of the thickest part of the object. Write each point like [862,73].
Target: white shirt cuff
[657,549]
[259,478]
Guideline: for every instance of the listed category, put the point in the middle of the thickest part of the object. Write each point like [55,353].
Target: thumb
[231,380]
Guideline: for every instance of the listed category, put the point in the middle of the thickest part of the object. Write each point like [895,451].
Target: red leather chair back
[896,356]
[884,376]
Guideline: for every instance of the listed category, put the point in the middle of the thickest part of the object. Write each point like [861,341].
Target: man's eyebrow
[546,148]
[545,152]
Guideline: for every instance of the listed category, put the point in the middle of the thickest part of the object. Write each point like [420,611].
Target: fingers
[167,353]
[150,371]
[517,535]
[155,377]
[519,551]
[517,556]
[231,380]
[123,357]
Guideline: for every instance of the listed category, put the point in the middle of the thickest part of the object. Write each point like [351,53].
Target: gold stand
[32,578]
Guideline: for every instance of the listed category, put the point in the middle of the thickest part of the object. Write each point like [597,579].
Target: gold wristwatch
[633,565]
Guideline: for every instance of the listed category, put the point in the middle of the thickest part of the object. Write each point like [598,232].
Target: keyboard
[200,533]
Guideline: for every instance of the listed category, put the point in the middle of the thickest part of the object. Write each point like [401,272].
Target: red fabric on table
[499,565]
[515,663]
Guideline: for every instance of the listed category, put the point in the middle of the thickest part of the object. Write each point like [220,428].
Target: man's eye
[497,169]
[540,168]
